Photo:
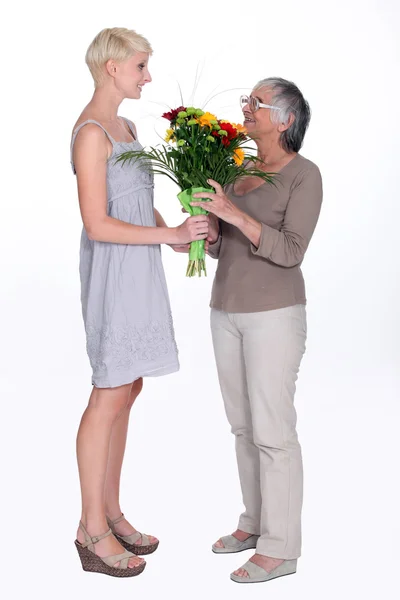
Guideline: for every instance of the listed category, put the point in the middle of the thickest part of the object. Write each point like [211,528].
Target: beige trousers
[258,357]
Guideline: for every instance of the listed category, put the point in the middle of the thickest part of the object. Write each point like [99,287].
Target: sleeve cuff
[267,242]
[213,249]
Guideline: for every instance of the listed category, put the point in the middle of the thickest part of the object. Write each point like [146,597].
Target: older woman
[258,322]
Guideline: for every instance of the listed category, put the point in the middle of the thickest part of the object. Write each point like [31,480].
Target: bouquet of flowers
[200,147]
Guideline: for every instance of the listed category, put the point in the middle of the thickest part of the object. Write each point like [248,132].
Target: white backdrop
[180,480]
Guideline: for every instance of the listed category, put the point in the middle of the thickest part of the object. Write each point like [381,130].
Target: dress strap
[131,128]
[77,130]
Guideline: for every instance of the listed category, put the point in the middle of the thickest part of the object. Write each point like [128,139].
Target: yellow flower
[170,135]
[206,119]
[238,156]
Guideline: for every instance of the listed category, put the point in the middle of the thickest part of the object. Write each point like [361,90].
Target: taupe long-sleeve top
[250,279]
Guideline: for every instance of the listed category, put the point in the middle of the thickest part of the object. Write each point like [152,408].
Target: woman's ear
[111,67]
[284,126]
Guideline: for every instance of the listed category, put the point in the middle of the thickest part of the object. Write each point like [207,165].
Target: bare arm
[90,159]
[250,228]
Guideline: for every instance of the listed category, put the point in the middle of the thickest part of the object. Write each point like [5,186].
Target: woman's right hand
[213,229]
[194,228]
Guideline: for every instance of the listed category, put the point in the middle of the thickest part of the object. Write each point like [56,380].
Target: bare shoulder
[91,138]
[90,152]
[89,132]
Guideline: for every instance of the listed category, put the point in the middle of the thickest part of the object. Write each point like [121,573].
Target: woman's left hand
[219,204]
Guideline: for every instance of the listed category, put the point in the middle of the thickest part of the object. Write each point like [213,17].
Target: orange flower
[206,119]
[238,156]
[240,128]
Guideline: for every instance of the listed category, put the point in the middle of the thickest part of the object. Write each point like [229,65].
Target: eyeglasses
[254,104]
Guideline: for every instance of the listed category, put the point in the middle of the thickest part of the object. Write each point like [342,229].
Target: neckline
[114,143]
[110,137]
[264,182]
[132,142]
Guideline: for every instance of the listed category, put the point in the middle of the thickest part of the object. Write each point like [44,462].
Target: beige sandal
[130,541]
[97,564]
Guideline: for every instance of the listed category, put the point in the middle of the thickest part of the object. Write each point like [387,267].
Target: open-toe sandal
[98,564]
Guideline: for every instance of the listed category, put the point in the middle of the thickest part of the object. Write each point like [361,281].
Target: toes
[152,539]
[219,544]
[135,561]
[241,573]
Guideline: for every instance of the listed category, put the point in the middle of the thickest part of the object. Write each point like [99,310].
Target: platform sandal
[98,564]
[130,542]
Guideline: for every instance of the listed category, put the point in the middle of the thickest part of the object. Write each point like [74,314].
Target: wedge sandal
[130,542]
[232,544]
[258,574]
[96,564]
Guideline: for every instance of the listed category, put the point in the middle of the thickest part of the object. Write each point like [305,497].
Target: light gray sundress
[125,303]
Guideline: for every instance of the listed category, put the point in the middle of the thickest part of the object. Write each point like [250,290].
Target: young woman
[125,302]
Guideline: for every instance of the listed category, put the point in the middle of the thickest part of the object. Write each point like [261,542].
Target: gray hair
[288,98]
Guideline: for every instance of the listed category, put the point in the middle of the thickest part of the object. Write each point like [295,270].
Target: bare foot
[125,528]
[267,563]
[240,535]
[109,546]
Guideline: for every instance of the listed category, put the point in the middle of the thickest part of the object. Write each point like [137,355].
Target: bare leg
[93,444]
[117,451]
[115,460]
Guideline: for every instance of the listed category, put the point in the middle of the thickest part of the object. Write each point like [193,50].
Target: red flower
[171,116]
[231,131]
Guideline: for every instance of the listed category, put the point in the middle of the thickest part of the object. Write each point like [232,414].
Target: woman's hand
[219,205]
[194,228]
[213,234]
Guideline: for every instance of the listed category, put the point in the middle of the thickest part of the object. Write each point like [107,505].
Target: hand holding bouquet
[200,147]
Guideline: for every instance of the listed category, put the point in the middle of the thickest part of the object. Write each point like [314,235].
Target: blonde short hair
[118,44]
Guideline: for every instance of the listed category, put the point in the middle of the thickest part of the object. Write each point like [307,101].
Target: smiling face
[130,75]
[261,122]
